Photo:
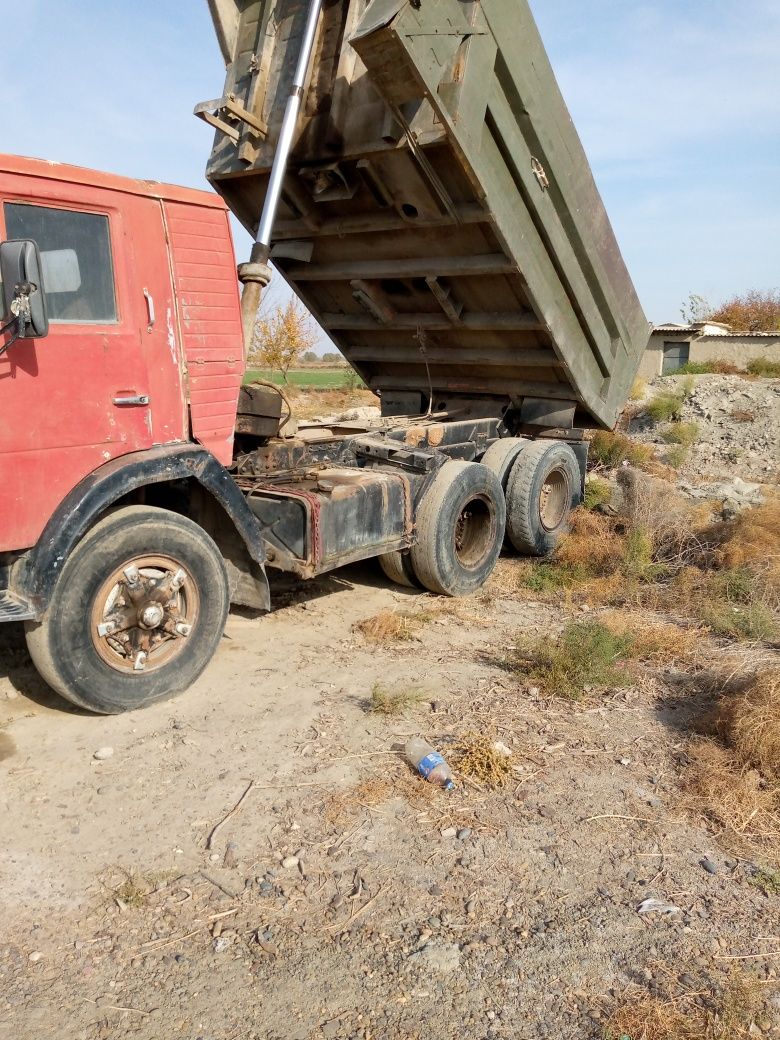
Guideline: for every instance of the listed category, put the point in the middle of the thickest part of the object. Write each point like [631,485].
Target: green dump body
[439,216]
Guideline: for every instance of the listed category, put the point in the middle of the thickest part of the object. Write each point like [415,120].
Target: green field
[324,378]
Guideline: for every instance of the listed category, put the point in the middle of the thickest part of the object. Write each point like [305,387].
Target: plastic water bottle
[429,763]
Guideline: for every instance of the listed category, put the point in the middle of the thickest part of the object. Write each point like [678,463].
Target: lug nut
[183,629]
[140,661]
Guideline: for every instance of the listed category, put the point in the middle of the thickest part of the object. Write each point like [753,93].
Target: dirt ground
[337,901]
[255,861]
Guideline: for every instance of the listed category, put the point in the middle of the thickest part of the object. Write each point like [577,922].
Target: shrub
[676,456]
[752,622]
[611,450]
[586,654]
[666,406]
[764,367]
[719,367]
[685,433]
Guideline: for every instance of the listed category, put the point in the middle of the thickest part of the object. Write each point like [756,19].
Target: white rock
[103,753]
[449,832]
[290,861]
[35,956]
[438,956]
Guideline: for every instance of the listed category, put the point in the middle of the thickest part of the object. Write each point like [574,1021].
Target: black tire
[460,528]
[397,566]
[102,673]
[544,487]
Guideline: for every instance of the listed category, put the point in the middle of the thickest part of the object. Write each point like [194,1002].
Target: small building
[672,346]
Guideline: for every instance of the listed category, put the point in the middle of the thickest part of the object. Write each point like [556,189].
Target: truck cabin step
[13,608]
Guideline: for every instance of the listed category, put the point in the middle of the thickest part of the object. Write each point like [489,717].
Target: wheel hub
[143,613]
[554,500]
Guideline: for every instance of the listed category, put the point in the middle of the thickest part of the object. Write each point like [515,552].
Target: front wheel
[137,612]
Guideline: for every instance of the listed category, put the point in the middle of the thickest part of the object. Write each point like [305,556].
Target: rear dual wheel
[137,612]
[460,527]
[544,487]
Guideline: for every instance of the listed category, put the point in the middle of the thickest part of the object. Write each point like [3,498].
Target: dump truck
[410,169]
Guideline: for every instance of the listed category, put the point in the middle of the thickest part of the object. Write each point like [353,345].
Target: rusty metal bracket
[225,113]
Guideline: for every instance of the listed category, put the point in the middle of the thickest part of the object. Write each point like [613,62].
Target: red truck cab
[144,345]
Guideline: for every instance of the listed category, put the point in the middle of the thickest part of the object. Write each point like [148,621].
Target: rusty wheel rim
[143,614]
[554,499]
[474,533]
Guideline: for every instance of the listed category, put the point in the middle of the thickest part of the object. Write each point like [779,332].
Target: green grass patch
[322,378]
[667,406]
[597,493]
[751,622]
[764,367]
[767,880]
[685,433]
[585,656]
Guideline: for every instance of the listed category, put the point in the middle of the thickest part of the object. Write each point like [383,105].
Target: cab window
[75,252]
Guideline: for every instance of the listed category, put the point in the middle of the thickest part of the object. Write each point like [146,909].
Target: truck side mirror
[24,298]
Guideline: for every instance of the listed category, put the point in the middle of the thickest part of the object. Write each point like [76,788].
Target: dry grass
[395,703]
[375,791]
[656,642]
[391,626]
[741,415]
[709,1013]
[749,722]
[735,798]
[638,389]
[752,541]
[475,755]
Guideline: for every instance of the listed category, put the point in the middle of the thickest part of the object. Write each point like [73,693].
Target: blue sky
[678,105]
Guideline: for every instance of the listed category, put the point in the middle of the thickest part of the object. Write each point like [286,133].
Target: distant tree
[332,358]
[310,358]
[753,311]
[695,309]
[281,338]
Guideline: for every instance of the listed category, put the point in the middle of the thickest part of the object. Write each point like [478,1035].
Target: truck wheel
[137,612]
[460,529]
[397,566]
[544,486]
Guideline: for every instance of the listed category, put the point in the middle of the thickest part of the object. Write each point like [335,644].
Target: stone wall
[736,349]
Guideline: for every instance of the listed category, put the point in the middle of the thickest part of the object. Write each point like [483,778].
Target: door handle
[131,399]
[149,309]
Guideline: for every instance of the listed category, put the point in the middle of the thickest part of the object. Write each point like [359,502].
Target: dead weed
[395,703]
[476,756]
[391,626]
[749,722]
[709,1013]
[656,642]
[736,798]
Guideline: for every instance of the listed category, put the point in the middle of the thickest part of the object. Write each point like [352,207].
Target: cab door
[81,396]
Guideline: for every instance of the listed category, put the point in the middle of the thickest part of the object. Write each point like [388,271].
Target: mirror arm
[16,320]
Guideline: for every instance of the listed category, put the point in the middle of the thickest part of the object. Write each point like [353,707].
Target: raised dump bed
[439,216]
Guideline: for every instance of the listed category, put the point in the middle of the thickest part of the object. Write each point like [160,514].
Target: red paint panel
[209,318]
